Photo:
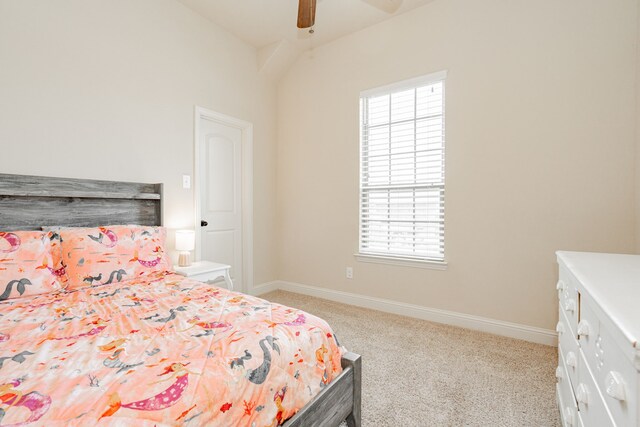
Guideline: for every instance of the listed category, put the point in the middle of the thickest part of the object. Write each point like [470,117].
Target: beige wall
[540,132]
[540,150]
[637,181]
[106,90]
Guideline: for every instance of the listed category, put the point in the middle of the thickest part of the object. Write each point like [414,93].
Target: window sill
[405,262]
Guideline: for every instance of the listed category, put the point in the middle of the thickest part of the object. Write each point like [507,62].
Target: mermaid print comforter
[159,351]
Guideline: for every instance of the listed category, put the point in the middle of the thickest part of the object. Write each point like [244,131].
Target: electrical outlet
[186,181]
[349,272]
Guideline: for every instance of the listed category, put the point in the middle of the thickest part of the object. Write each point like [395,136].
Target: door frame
[246,203]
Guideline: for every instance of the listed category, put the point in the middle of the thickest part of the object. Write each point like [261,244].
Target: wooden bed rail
[338,401]
[354,361]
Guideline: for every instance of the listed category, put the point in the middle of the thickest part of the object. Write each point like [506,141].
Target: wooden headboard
[29,202]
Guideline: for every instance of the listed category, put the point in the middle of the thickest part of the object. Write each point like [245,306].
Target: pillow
[104,255]
[30,263]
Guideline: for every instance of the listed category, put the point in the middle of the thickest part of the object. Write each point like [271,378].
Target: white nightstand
[205,271]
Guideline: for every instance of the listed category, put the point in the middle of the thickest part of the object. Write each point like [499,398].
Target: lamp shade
[185,240]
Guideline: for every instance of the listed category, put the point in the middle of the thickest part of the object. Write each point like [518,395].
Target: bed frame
[30,202]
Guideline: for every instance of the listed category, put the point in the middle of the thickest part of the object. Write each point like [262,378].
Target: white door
[220,184]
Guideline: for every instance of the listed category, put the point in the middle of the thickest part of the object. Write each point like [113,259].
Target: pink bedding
[159,350]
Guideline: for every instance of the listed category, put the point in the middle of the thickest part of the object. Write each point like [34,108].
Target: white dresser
[598,331]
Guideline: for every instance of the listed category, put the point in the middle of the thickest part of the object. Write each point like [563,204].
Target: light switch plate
[186,181]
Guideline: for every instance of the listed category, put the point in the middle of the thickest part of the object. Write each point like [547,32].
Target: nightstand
[205,271]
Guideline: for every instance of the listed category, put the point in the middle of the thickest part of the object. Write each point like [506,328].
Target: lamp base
[184,260]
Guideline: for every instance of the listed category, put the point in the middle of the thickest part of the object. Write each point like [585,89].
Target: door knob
[203,223]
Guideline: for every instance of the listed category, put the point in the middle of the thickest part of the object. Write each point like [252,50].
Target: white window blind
[402,170]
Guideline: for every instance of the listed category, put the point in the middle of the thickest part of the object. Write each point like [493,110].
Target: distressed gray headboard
[29,202]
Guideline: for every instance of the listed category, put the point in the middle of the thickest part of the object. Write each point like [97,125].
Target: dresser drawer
[588,332]
[593,411]
[614,374]
[568,297]
[569,415]
[568,347]
[566,399]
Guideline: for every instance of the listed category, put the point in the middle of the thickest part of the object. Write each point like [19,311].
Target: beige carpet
[418,373]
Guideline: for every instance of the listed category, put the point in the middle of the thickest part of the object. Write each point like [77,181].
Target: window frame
[390,258]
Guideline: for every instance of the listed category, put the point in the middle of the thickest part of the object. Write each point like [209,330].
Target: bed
[153,349]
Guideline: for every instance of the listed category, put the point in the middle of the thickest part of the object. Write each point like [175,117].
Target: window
[402,170]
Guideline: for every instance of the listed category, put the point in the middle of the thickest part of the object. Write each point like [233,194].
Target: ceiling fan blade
[388,6]
[306,13]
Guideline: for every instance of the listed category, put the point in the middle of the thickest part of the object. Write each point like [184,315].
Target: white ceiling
[264,23]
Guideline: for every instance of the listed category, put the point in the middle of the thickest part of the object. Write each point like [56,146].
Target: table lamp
[185,243]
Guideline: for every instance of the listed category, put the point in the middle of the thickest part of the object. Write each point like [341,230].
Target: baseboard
[497,327]
[264,288]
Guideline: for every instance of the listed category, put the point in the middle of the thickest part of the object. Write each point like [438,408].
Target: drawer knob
[569,416]
[572,360]
[582,394]
[560,328]
[614,385]
[559,373]
[570,305]
[560,286]
[583,328]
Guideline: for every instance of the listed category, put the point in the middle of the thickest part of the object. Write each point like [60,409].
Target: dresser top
[613,281]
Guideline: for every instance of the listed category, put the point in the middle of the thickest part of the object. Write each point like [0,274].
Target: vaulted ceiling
[270,25]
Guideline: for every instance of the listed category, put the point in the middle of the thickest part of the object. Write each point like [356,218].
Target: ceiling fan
[307,10]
